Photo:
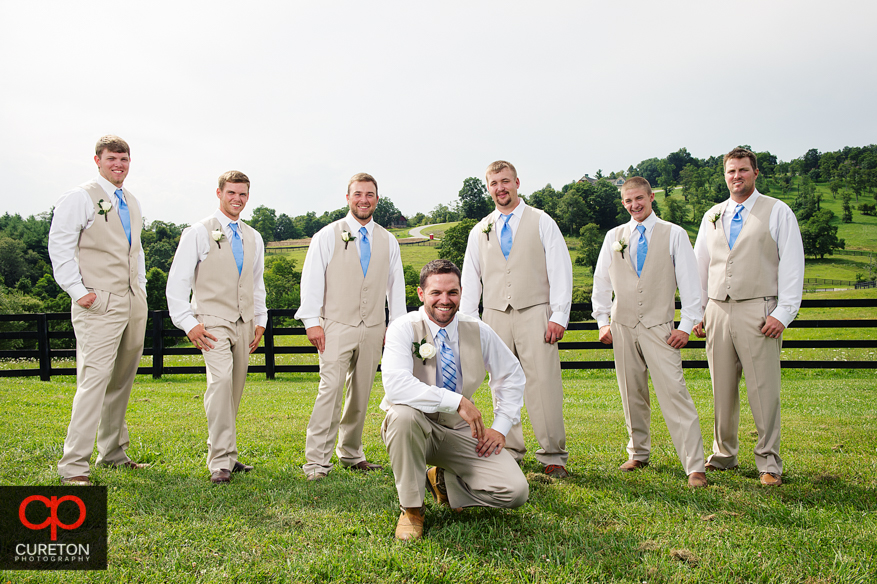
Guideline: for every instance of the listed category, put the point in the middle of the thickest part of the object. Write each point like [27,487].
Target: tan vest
[522,280]
[106,260]
[219,290]
[348,297]
[650,298]
[750,269]
[471,362]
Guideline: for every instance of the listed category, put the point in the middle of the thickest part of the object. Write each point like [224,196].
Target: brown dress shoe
[79,481]
[435,484]
[410,525]
[712,468]
[555,470]
[365,466]
[697,480]
[769,479]
[317,476]
[632,465]
[221,476]
[132,465]
[241,467]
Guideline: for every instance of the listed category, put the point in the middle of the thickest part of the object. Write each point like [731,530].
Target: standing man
[433,363]
[94,244]
[658,259]
[221,260]
[352,266]
[526,275]
[750,258]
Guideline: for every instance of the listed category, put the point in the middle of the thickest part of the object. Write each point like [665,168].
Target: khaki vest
[650,298]
[348,297]
[471,362]
[750,269]
[522,280]
[219,290]
[106,260]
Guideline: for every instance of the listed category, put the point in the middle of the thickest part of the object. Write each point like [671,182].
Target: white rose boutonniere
[217,236]
[103,208]
[714,218]
[619,246]
[346,237]
[423,350]
[487,230]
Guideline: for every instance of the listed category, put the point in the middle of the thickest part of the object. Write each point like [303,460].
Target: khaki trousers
[639,352]
[413,440]
[226,364]
[735,344]
[350,358]
[523,332]
[109,344]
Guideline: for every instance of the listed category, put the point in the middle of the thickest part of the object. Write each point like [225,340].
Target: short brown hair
[113,144]
[741,153]
[233,176]
[499,166]
[438,267]
[636,182]
[362,177]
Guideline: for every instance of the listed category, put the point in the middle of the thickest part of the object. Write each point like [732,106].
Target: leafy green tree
[847,198]
[453,246]
[820,236]
[160,255]
[648,169]
[412,281]
[417,220]
[591,240]
[16,262]
[282,282]
[835,186]
[675,210]
[156,283]
[264,221]
[571,213]
[285,228]
[546,199]
[386,212]
[475,203]
[443,214]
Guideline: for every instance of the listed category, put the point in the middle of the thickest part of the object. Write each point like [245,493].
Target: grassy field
[168,524]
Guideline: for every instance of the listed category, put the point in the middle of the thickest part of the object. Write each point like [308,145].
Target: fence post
[43,346]
[157,344]
[269,347]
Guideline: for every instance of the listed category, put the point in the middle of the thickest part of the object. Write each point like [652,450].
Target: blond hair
[233,176]
[636,182]
[113,144]
[362,177]
[499,166]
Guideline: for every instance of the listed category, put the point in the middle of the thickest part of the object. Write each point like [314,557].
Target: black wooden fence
[160,329]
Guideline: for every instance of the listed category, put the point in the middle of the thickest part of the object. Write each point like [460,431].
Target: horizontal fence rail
[159,330]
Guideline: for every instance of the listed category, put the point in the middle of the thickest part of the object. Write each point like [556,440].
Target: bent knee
[517,491]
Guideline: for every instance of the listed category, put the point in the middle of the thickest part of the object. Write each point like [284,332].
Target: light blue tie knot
[124,214]
[365,250]
[736,226]
[505,237]
[448,363]
[237,247]
[642,248]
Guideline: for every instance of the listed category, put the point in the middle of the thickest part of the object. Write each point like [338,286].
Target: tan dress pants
[350,358]
[523,332]
[413,440]
[639,352]
[735,344]
[226,364]
[109,344]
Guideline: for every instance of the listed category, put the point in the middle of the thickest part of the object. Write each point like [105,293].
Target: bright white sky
[301,95]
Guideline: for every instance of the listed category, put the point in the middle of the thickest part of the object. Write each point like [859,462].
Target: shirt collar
[649,222]
[108,187]
[451,329]
[223,219]
[516,212]
[747,204]
[355,225]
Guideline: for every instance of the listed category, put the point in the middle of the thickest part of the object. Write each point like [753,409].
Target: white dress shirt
[313,274]
[401,387]
[557,262]
[74,212]
[684,264]
[194,247]
[784,230]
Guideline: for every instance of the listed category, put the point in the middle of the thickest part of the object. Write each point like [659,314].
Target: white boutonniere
[104,208]
[217,236]
[487,230]
[619,246]
[346,237]
[714,218]
[423,350]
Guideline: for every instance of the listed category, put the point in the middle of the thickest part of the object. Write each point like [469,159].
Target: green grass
[168,524]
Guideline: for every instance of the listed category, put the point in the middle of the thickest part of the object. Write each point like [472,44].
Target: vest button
[365,289]
[640,303]
[729,286]
[509,296]
[509,284]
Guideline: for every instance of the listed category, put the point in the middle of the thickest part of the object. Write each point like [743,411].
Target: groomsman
[352,266]
[750,258]
[94,244]
[221,260]
[643,262]
[519,259]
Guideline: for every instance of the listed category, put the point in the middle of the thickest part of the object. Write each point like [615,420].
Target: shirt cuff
[262,320]
[450,401]
[310,322]
[560,318]
[782,315]
[189,323]
[77,291]
[501,424]
[602,323]
[686,324]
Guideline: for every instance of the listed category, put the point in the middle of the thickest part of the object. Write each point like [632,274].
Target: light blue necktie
[642,248]
[124,215]
[505,237]
[449,365]
[237,247]
[365,250]
[736,226]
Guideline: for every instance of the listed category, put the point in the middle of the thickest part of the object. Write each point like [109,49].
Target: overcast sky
[301,95]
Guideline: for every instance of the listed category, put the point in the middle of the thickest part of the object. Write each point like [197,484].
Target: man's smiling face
[441,297]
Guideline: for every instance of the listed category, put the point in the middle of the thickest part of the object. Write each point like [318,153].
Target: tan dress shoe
[365,466]
[317,476]
[410,525]
[221,476]
[78,481]
[632,465]
[697,480]
[769,479]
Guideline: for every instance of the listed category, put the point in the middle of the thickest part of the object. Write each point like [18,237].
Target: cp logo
[53,521]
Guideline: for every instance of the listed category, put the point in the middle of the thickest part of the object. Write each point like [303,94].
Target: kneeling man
[434,360]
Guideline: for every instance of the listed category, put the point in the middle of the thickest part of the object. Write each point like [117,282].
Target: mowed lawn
[169,524]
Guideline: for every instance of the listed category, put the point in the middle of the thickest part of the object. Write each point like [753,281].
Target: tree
[265,222]
[454,241]
[571,213]
[418,219]
[442,214]
[285,228]
[386,212]
[156,283]
[648,169]
[412,281]
[591,240]
[847,197]
[820,236]
[282,282]
[475,203]
[160,255]
[675,210]
[546,199]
